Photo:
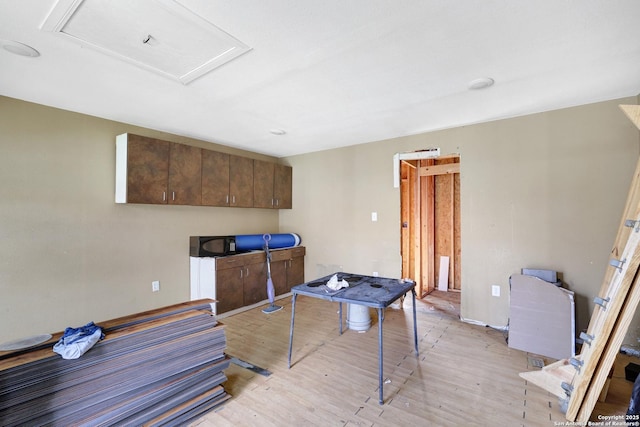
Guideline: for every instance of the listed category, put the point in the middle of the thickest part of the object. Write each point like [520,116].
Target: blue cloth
[76,341]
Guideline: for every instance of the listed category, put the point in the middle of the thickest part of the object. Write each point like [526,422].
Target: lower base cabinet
[287,269]
[238,281]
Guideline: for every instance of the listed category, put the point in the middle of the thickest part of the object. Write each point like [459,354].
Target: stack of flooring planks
[160,367]
[580,380]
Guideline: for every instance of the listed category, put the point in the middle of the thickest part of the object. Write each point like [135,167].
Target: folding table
[376,292]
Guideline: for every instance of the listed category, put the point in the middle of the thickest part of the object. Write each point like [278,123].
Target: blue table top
[370,291]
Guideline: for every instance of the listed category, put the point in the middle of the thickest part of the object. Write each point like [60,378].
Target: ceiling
[328,73]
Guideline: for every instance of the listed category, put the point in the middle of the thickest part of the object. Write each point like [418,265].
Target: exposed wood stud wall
[427,207]
[410,245]
[442,208]
[457,257]
[430,215]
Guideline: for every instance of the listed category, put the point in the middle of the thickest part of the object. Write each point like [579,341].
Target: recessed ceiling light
[18,48]
[277,131]
[481,83]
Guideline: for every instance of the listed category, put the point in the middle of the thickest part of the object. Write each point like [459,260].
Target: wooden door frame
[409,217]
[417,182]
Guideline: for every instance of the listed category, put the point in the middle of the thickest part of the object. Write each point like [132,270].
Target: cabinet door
[263,173]
[229,289]
[240,181]
[295,267]
[215,178]
[255,283]
[282,186]
[147,170]
[295,272]
[185,175]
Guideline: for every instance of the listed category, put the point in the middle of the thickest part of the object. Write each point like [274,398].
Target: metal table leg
[380,373]
[340,316]
[415,327]
[293,314]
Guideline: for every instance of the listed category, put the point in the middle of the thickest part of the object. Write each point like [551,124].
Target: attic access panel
[159,35]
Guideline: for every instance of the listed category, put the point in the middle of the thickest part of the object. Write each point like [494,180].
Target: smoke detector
[481,83]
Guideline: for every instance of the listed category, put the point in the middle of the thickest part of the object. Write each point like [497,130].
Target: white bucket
[358,317]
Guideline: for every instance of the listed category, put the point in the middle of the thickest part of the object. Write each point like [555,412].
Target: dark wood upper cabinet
[153,171]
[142,170]
[283,186]
[185,172]
[240,181]
[215,178]
[263,173]
[272,185]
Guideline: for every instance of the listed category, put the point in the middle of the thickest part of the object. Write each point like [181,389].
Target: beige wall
[545,191]
[540,191]
[68,253]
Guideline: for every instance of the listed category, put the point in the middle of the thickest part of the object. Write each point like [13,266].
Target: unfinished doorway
[430,223]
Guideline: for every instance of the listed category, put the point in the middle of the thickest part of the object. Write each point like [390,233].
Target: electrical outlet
[155,285]
[375,274]
[495,290]
[374,216]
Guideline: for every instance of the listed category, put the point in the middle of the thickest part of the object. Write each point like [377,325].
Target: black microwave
[210,246]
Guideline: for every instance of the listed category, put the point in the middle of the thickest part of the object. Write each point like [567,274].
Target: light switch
[374,216]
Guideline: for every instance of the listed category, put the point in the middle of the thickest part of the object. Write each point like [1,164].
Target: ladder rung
[568,388]
[586,337]
[577,364]
[602,302]
[617,263]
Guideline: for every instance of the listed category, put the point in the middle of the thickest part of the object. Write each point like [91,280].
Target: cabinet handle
[164,196]
[247,271]
[233,200]
[241,272]
[173,195]
[277,202]
[227,202]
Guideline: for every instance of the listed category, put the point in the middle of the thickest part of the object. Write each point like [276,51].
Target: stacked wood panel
[161,367]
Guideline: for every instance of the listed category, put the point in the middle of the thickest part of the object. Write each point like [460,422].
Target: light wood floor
[465,374]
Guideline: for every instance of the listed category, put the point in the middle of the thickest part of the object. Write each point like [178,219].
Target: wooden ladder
[579,380]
